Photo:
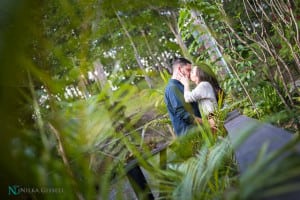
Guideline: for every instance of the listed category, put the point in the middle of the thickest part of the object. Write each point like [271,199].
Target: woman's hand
[184,80]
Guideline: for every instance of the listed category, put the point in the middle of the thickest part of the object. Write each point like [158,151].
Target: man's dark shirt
[180,112]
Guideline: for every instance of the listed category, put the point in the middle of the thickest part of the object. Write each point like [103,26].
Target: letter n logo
[13,190]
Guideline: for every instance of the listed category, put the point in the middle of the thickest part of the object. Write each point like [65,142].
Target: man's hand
[198,120]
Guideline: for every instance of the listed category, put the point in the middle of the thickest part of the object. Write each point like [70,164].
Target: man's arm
[179,106]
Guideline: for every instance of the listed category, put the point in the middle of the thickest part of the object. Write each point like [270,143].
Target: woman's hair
[203,76]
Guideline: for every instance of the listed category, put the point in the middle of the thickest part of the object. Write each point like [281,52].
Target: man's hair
[180,61]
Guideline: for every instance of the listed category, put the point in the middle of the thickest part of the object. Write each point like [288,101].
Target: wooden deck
[248,136]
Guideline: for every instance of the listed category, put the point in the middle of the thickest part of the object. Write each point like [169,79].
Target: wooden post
[163,166]
[139,183]
[136,176]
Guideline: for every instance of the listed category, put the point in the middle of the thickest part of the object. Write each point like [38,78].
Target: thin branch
[281,33]
[136,53]
[66,162]
[244,88]
[296,26]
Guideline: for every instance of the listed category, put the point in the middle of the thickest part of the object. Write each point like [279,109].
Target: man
[182,114]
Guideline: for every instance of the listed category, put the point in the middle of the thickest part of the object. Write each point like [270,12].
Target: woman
[206,93]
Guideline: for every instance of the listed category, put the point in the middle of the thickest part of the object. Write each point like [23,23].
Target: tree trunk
[203,35]
[100,74]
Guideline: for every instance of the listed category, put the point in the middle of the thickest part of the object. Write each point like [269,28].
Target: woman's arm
[203,91]
[194,95]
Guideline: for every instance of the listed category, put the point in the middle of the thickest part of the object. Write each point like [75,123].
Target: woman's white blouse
[204,94]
